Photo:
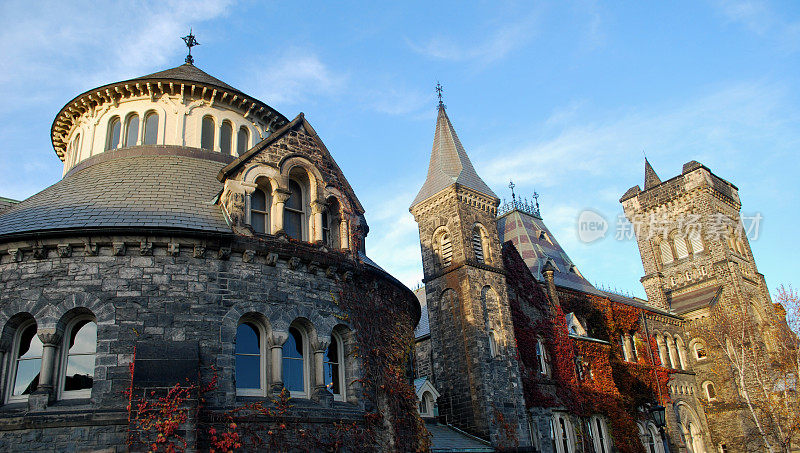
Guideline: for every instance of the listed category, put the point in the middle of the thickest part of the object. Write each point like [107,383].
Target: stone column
[662,351]
[275,342]
[46,390]
[319,392]
[249,188]
[279,197]
[317,208]
[344,234]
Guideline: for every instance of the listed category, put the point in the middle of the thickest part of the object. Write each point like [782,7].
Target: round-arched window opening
[242,141]
[81,346]
[132,130]
[114,133]
[27,362]
[248,353]
[226,138]
[150,129]
[294,363]
[207,133]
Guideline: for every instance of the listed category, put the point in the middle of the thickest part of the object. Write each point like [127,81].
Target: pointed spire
[449,163]
[651,179]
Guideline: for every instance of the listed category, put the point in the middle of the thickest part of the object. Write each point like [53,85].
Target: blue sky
[560,97]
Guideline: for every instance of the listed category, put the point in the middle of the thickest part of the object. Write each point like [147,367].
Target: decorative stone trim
[248,256]
[294,262]
[199,251]
[330,271]
[90,249]
[146,248]
[16,254]
[224,253]
[118,248]
[312,267]
[39,252]
[64,250]
[272,259]
[173,249]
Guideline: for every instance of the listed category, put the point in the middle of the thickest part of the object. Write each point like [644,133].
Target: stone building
[511,321]
[198,238]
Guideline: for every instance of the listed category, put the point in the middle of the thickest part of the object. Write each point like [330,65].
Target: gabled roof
[299,122]
[449,163]
[537,246]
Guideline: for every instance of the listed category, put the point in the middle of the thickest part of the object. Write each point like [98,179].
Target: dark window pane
[293,374]
[207,134]
[242,144]
[27,379]
[151,129]
[258,200]
[293,347]
[295,200]
[247,339]
[83,338]
[132,131]
[80,372]
[248,371]
[113,133]
[292,224]
[226,137]
[259,222]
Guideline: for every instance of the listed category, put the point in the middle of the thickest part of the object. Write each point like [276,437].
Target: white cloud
[498,43]
[760,17]
[295,77]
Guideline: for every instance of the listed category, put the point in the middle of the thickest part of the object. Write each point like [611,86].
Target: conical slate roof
[187,73]
[449,164]
[651,179]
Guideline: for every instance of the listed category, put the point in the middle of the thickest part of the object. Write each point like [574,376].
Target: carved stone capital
[277,339]
[16,254]
[280,195]
[320,346]
[318,206]
[49,337]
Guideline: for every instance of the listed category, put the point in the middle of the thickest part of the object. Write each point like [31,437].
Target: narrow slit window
[207,133]
[477,244]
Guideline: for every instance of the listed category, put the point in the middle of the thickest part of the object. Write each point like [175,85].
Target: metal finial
[536,201]
[190,42]
[439,90]
[511,186]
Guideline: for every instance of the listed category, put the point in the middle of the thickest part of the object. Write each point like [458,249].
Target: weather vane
[439,93]
[536,200]
[190,42]
[511,186]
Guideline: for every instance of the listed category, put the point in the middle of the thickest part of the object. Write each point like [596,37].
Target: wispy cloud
[296,76]
[495,45]
[759,17]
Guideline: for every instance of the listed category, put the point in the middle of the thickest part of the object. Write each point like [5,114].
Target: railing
[522,205]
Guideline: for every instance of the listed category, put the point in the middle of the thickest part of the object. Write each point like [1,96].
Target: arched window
[114,133]
[226,138]
[445,249]
[150,129]
[26,363]
[207,133]
[700,351]
[259,211]
[696,241]
[598,432]
[542,358]
[132,130]
[250,353]
[333,368]
[295,365]
[711,391]
[294,212]
[564,435]
[80,345]
[242,141]
[681,352]
[477,244]
[666,252]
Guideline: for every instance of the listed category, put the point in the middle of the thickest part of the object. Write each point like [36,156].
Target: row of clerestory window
[128,134]
[677,247]
[71,371]
[298,371]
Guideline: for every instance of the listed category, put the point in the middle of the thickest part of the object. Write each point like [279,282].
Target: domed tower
[472,338]
[198,237]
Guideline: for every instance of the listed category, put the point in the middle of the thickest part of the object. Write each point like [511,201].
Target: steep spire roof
[651,179]
[449,163]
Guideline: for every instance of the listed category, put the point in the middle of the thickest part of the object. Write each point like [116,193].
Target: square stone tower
[475,364]
[697,262]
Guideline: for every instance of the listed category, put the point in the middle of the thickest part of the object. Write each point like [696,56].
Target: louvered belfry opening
[477,244]
[447,250]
